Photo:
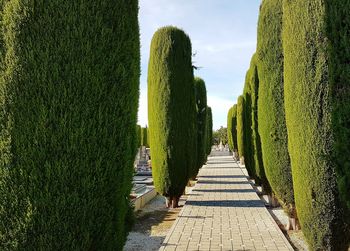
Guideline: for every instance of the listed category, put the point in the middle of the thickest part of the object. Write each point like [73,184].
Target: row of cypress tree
[179,119]
[69,87]
[297,94]
[232,128]
[142,136]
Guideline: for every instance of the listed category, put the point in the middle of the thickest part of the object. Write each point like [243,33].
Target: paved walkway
[223,212]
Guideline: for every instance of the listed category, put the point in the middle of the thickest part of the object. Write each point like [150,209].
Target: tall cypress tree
[247,130]
[271,114]
[201,103]
[144,137]
[240,127]
[209,129]
[171,112]
[260,176]
[234,127]
[69,98]
[317,100]
[138,135]
[230,128]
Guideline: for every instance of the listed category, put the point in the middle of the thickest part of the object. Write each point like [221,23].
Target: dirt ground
[152,225]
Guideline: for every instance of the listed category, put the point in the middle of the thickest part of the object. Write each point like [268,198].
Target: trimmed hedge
[148,138]
[260,176]
[230,128]
[240,126]
[138,135]
[339,78]
[234,127]
[144,137]
[69,98]
[2,42]
[171,111]
[317,99]
[247,130]
[209,130]
[201,102]
[271,114]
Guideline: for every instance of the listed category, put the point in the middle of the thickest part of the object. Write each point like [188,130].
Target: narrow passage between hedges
[223,212]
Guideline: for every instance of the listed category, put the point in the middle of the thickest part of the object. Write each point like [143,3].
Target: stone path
[223,212]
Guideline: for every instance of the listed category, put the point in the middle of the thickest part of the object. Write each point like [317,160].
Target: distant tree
[234,127]
[209,129]
[201,103]
[230,128]
[138,135]
[240,126]
[144,137]
[220,135]
[216,138]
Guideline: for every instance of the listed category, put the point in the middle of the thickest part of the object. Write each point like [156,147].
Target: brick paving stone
[223,212]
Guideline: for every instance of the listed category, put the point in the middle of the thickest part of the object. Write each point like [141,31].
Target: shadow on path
[223,176]
[224,191]
[220,163]
[221,182]
[226,203]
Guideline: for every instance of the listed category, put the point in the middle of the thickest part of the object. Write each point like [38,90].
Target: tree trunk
[241,160]
[176,201]
[168,202]
[273,201]
[293,222]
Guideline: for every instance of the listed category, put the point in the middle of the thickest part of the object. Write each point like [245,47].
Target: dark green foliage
[148,138]
[220,136]
[271,114]
[240,125]
[317,100]
[209,130]
[260,177]
[144,137]
[171,110]
[201,102]
[338,16]
[69,101]
[138,135]
[2,49]
[232,128]
[247,128]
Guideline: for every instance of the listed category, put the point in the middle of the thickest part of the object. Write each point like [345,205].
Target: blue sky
[223,35]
